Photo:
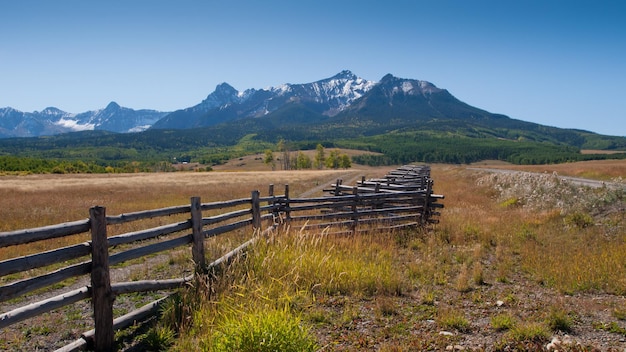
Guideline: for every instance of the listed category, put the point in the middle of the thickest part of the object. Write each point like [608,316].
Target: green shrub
[272,330]
[502,322]
[159,338]
[579,220]
[529,332]
[559,320]
[451,319]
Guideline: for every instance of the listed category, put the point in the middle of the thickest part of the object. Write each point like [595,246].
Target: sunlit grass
[485,247]
[285,273]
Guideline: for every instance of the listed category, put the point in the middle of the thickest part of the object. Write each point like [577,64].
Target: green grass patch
[502,322]
[267,330]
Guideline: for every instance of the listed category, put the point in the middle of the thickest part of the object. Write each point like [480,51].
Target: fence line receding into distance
[403,198]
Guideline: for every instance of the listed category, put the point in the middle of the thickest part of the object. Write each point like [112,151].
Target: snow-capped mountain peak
[328,96]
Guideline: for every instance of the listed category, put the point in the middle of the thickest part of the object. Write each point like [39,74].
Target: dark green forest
[155,150]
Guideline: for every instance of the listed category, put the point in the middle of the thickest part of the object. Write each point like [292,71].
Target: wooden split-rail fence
[403,198]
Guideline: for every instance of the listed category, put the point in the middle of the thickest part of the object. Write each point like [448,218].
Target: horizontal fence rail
[401,199]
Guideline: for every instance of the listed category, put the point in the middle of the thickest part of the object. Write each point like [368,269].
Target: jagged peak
[408,86]
[51,108]
[225,87]
[388,77]
[113,106]
[8,109]
[345,74]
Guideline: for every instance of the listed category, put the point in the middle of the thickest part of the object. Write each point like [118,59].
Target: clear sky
[555,62]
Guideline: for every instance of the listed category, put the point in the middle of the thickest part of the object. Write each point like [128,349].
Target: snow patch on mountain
[328,96]
[74,125]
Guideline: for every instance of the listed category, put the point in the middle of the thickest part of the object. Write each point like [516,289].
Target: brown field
[496,274]
[41,200]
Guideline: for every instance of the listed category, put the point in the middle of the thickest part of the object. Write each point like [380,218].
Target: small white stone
[499,303]
[446,333]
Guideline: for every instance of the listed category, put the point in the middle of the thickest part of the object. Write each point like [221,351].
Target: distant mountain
[326,97]
[362,107]
[342,106]
[52,121]
[405,120]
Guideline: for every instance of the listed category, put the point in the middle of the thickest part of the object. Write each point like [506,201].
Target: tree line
[334,160]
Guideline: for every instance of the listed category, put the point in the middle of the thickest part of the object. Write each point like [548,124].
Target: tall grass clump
[259,300]
[323,264]
[266,330]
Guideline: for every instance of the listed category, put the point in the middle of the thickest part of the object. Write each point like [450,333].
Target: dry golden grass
[41,200]
[486,259]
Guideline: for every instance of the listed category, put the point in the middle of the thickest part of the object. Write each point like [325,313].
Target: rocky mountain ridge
[323,98]
[52,121]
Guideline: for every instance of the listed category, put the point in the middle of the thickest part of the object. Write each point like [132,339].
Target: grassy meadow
[512,265]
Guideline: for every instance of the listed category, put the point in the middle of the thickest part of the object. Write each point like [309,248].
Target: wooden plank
[78,345]
[361,213]
[225,204]
[149,249]
[147,214]
[320,206]
[147,234]
[22,287]
[37,308]
[226,228]
[226,216]
[43,233]
[270,198]
[38,260]
[148,285]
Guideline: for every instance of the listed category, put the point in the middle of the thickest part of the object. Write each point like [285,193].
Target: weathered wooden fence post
[355,214]
[272,203]
[338,187]
[197,249]
[256,210]
[102,295]
[426,210]
[287,210]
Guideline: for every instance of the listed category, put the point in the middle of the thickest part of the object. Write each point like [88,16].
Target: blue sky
[555,62]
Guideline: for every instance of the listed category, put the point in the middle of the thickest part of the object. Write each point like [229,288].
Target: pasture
[496,273]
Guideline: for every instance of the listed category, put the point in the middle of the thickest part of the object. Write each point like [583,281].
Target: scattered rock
[559,343]
[446,333]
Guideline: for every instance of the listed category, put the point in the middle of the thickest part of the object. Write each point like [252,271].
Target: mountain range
[343,97]
[52,121]
[342,106]
[402,120]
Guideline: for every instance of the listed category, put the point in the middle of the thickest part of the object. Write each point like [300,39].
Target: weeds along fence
[403,198]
